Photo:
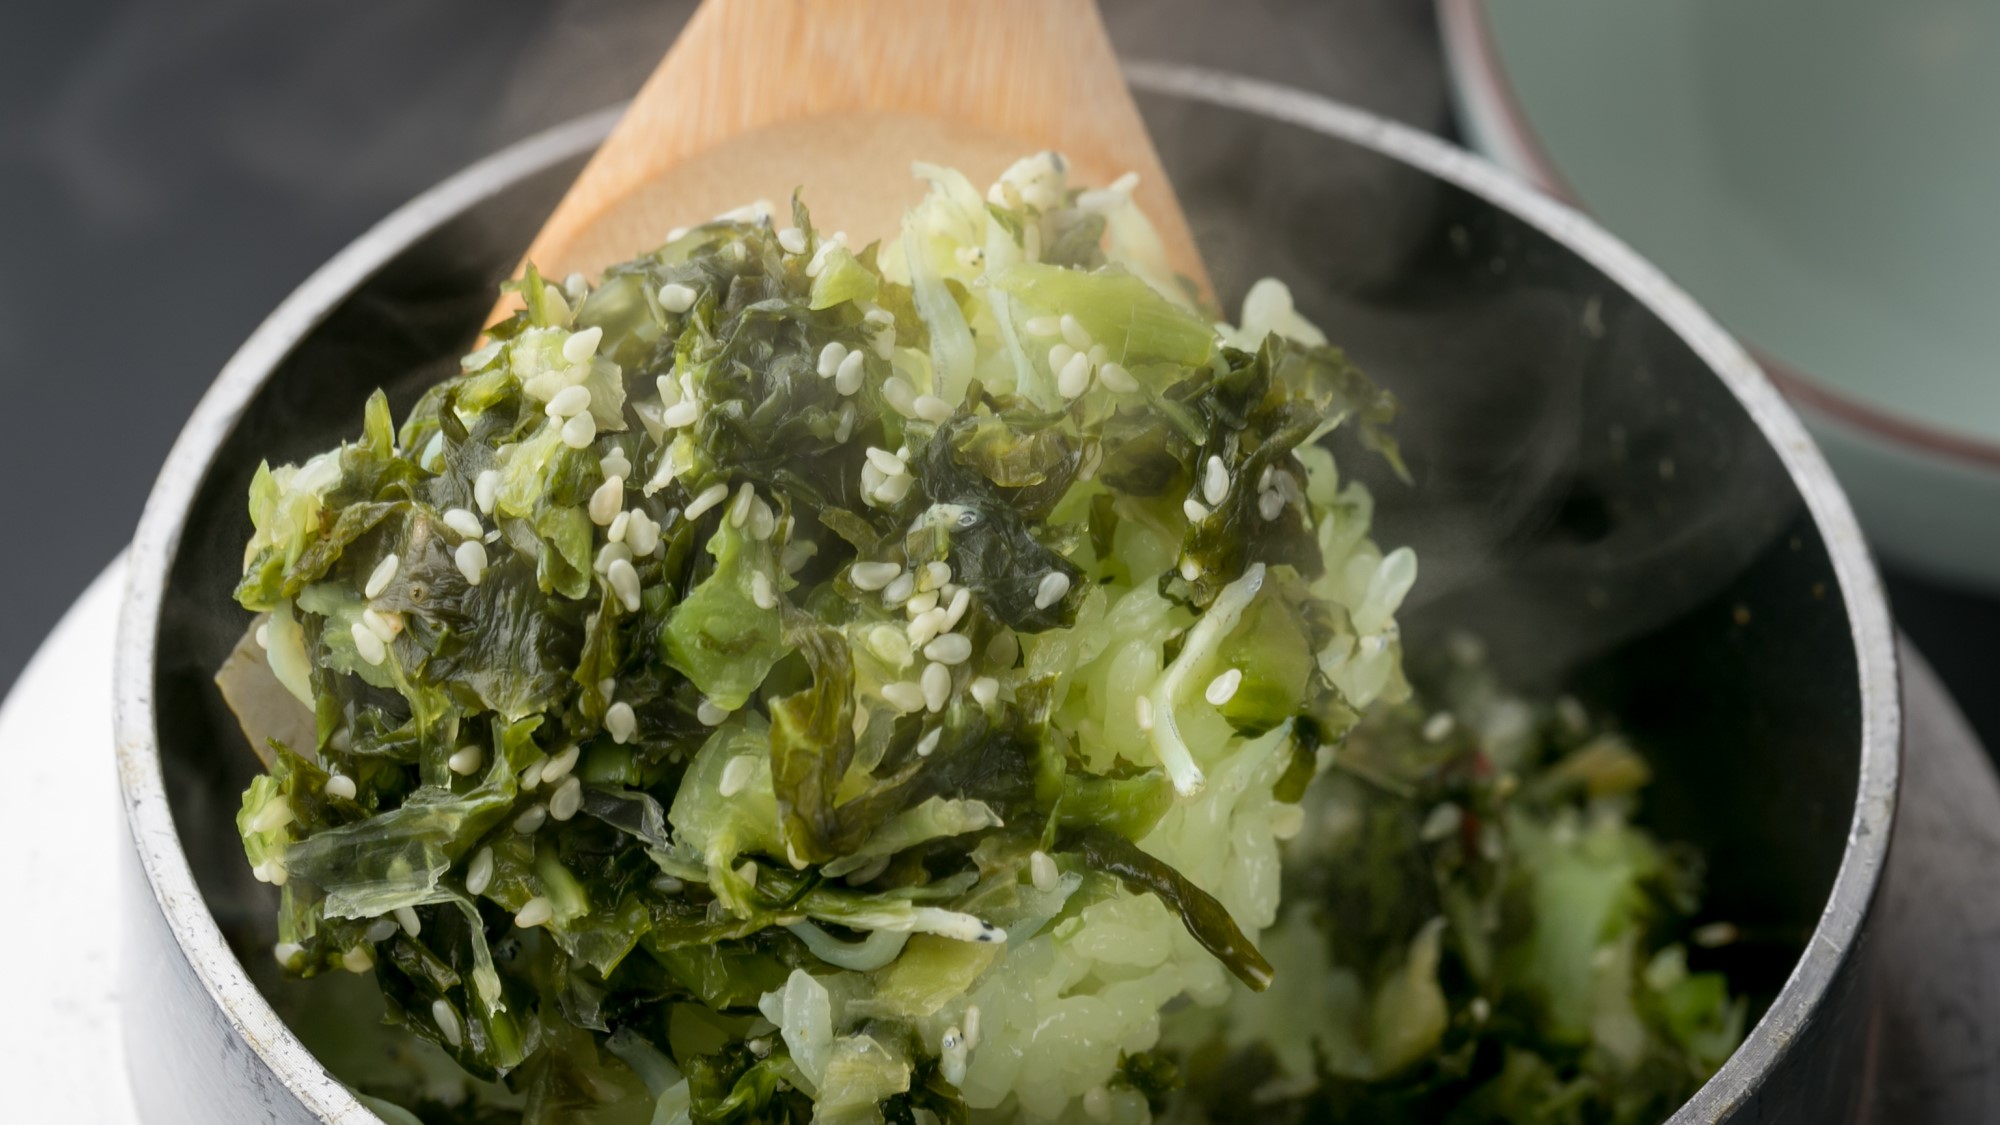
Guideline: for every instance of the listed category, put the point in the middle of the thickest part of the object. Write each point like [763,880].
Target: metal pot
[1607,490]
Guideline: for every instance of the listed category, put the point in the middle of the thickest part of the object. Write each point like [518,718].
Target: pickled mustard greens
[790,681]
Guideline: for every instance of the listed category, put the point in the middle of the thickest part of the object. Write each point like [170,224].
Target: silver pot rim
[171,880]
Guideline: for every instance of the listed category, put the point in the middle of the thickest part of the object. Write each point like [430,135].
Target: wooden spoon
[837,97]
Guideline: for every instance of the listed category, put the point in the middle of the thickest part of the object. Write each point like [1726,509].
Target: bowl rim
[170,878]
[1480,75]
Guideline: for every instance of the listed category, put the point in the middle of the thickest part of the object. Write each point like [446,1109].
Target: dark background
[168,172]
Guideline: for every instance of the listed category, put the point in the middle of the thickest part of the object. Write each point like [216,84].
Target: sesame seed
[898,590]
[710,715]
[532,776]
[1439,726]
[936,683]
[1194,509]
[620,524]
[1097,1103]
[680,414]
[1042,869]
[897,391]
[761,591]
[580,431]
[340,786]
[1143,712]
[610,553]
[263,634]
[642,535]
[951,648]
[471,559]
[929,742]
[735,775]
[889,463]
[676,298]
[904,696]
[407,918]
[287,952]
[486,489]
[793,240]
[893,490]
[553,297]
[931,408]
[1075,376]
[1270,505]
[432,458]
[368,645]
[559,766]
[873,575]
[830,357]
[360,959]
[844,428]
[535,912]
[625,583]
[608,688]
[615,464]
[1286,821]
[479,875]
[1059,357]
[1074,334]
[466,759]
[960,602]
[1116,378]
[1222,688]
[1044,326]
[847,379]
[985,690]
[1054,587]
[972,1026]
[1098,355]
[606,501]
[532,820]
[379,579]
[567,799]
[711,496]
[463,522]
[1190,570]
[926,625]
[1215,482]
[936,574]
[385,626]
[739,509]
[569,402]
[922,603]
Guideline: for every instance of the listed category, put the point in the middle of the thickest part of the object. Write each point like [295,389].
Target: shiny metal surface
[1609,489]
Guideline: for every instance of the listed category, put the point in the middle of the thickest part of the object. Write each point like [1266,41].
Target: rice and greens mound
[790,681]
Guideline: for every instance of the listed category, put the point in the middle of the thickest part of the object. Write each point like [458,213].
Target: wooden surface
[837,97]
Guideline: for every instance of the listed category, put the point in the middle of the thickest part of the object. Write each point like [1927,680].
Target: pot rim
[165,863]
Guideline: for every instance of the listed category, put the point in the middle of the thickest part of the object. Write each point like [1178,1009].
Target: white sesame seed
[1043,326]
[1054,587]
[569,402]
[407,918]
[920,604]
[889,463]
[471,559]
[608,688]
[936,683]
[1270,505]
[924,626]
[580,431]
[642,534]
[1097,1103]
[531,821]
[711,496]
[893,489]
[972,1026]
[559,766]
[899,589]
[735,775]
[676,298]
[929,742]
[553,297]
[485,489]
[931,408]
[680,414]
[1075,376]
[606,501]
[286,953]
[904,696]
[951,648]
[739,509]
[479,875]
[1116,378]
[341,786]
[1142,708]
[829,359]
[608,554]
[1042,869]
[615,464]
[359,959]
[535,912]
[463,522]
[844,428]
[1194,509]
[900,396]
[341,740]
[1215,482]
[532,776]
[1098,354]
[847,378]
[263,634]
[1074,334]
[379,579]
[873,575]
[1222,688]
[985,690]
[625,583]
[1190,570]
[936,574]
[955,613]
[381,624]
[1439,726]
[432,458]
[793,240]
[762,592]
[1059,357]
[465,760]
[710,715]
[620,524]
[567,799]
[1286,821]
[368,645]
